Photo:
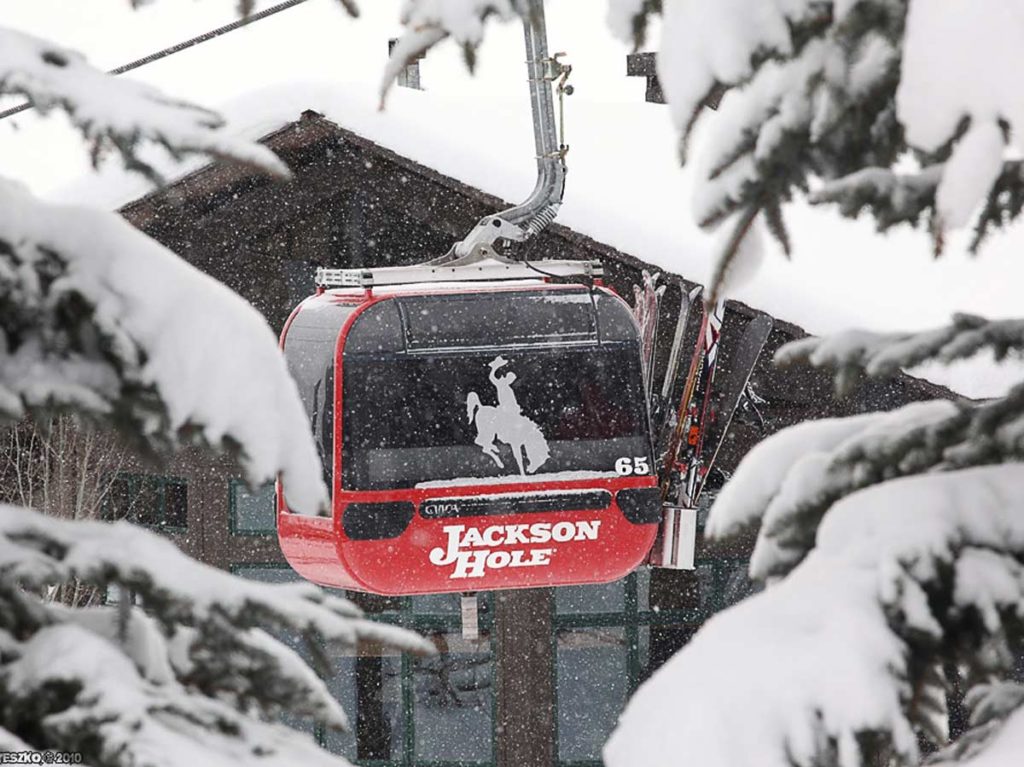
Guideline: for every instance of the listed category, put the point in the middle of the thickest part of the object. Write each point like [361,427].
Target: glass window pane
[452,698]
[309,351]
[266,574]
[148,499]
[660,642]
[369,688]
[598,598]
[438,604]
[735,584]
[689,591]
[377,329]
[117,503]
[255,511]
[425,418]
[614,319]
[592,689]
[147,506]
[176,504]
[498,319]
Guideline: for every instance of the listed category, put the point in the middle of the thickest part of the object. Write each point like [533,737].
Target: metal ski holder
[675,545]
[675,548]
[540,208]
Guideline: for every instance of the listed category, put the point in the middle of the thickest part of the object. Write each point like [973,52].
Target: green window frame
[244,515]
[155,501]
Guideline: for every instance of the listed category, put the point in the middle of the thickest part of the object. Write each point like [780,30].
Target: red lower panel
[470,553]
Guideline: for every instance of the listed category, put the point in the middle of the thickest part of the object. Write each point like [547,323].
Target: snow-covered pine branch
[198,666]
[846,92]
[836,664]
[996,734]
[788,482]
[118,113]
[853,352]
[101,319]
[629,19]
[891,546]
[76,691]
[892,197]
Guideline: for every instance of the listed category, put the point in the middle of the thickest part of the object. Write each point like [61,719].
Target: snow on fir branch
[996,734]
[201,670]
[846,93]
[629,20]
[900,197]
[112,715]
[854,352]
[837,663]
[118,114]
[892,197]
[891,545]
[191,665]
[101,319]
[788,482]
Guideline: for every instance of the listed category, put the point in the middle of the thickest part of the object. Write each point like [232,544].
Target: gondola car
[479,427]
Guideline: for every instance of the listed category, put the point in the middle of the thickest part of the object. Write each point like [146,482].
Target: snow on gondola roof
[624,186]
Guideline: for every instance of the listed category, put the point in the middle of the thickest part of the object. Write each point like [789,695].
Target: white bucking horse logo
[506,423]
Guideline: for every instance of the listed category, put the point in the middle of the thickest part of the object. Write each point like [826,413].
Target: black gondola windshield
[494,388]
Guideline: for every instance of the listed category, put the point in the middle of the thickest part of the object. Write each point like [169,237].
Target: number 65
[636,465]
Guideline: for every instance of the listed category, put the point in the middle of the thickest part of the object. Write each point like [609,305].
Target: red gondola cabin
[476,435]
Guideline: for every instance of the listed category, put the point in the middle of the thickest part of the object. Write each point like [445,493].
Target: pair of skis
[690,435]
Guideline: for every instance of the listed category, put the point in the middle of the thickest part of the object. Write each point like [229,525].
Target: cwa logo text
[474,551]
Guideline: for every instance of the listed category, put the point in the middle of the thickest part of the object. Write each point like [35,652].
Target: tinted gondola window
[495,415]
[309,352]
[499,319]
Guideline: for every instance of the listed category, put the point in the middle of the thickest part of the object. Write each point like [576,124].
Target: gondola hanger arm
[530,217]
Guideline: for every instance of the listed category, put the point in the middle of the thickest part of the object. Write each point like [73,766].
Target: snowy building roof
[624,186]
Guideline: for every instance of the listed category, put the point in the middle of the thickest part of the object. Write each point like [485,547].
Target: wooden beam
[524,679]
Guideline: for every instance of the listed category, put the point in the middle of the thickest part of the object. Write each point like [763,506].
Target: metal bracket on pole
[540,208]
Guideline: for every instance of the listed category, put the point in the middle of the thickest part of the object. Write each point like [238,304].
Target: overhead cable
[207,36]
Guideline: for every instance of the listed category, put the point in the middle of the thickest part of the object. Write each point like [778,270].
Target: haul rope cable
[205,37]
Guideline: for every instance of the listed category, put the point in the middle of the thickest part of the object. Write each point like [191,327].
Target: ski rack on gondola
[692,433]
[486,270]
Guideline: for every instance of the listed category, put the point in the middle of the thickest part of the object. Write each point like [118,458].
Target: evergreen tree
[189,666]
